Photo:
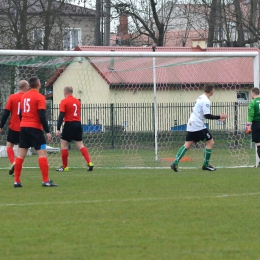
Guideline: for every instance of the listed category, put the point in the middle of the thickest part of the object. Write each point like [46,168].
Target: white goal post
[130,142]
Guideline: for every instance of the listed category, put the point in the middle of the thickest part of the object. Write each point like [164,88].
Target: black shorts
[13,136]
[201,135]
[72,131]
[32,137]
[255,127]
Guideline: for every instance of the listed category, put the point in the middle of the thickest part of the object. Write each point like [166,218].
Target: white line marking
[127,200]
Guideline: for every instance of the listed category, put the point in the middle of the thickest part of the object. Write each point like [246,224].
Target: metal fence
[139,117]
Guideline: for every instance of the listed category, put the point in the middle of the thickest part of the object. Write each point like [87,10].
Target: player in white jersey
[197,130]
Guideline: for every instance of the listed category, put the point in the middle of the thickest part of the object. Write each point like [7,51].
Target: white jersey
[197,119]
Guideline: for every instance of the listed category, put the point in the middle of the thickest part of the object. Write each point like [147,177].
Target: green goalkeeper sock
[207,154]
[180,154]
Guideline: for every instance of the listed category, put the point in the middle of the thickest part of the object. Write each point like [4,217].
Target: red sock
[64,157]
[85,153]
[44,166]
[18,169]
[10,154]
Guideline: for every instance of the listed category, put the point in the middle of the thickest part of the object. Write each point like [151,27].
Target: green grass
[131,214]
[146,158]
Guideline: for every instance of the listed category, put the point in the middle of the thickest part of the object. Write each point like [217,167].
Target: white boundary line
[128,200]
[141,168]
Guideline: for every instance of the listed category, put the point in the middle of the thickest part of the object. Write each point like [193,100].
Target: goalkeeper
[197,131]
[254,118]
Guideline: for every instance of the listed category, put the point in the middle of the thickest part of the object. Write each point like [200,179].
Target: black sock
[258,151]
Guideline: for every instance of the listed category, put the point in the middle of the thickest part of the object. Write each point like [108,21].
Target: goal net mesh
[134,114]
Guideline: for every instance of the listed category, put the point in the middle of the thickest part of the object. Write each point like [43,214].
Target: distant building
[124,80]
[67,26]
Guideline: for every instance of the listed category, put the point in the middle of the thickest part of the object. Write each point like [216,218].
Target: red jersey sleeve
[9,104]
[13,105]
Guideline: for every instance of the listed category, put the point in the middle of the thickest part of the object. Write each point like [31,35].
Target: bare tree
[147,18]
[232,23]
[39,24]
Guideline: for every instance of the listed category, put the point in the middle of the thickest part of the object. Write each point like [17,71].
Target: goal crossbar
[126,54]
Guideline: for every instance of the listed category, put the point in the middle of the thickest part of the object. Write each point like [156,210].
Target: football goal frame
[253,54]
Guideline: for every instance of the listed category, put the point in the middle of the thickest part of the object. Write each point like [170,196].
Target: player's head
[209,89]
[68,91]
[34,82]
[23,85]
[254,92]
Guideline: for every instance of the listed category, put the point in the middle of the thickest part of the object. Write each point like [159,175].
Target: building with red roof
[120,79]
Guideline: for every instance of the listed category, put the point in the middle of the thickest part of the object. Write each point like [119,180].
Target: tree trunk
[212,22]
[239,24]
[107,24]
[97,23]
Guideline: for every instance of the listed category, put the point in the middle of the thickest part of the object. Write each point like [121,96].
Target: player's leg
[85,154]
[18,166]
[77,136]
[207,151]
[64,155]
[256,138]
[183,149]
[258,153]
[66,137]
[12,139]
[10,152]
[24,145]
[38,141]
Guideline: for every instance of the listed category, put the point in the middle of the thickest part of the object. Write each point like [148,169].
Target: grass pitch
[131,214]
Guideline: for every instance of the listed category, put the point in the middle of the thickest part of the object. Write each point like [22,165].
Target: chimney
[199,43]
[122,28]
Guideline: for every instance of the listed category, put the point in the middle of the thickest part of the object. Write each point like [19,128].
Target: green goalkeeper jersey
[254,110]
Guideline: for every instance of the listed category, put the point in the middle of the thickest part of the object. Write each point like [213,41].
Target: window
[242,97]
[71,38]
[38,37]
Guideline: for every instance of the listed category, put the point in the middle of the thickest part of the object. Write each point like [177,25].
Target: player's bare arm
[48,137]
[59,123]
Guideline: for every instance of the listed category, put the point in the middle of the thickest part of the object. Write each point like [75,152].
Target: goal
[136,104]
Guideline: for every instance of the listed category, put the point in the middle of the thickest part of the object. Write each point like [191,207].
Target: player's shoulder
[204,98]
[201,98]
[63,101]
[15,96]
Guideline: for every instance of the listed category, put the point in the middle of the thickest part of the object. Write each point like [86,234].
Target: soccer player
[33,107]
[70,112]
[197,131]
[13,107]
[254,118]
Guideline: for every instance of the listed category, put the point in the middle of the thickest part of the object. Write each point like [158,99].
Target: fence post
[236,123]
[112,124]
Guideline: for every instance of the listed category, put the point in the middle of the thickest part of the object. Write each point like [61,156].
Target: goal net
[135,106]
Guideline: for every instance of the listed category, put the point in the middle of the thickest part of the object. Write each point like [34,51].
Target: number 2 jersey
[70,106]
[13,105]
[31,102]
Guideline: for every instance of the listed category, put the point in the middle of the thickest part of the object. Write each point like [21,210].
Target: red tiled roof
[180,70]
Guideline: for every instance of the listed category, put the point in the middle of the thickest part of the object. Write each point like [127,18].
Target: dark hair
[208,87]
[255,91]
[33,82]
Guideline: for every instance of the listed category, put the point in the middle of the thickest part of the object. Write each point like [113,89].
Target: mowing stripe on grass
[128,200]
